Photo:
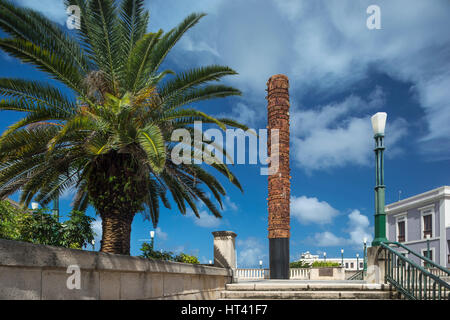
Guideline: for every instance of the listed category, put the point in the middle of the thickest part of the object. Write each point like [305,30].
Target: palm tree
[111,140]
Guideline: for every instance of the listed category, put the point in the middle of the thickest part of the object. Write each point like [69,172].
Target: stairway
[307,289]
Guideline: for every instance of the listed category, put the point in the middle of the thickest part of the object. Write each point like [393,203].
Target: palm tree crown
[111,143]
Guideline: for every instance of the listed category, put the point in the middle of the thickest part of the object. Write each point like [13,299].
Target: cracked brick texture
[279,188]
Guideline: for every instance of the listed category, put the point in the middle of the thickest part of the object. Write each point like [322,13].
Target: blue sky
[340,74]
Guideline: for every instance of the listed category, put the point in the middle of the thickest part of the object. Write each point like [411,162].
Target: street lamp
[342,257]
[324,256]
[260,264]
[93,245]
[365,254]
[378,125]
[34,205]
[210,262]
[152,236]
[55,210]
[357,261]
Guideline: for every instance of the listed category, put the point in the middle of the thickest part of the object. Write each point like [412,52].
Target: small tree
[41,227]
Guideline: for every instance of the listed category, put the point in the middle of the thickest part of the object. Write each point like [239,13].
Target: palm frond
[152,142]
[38,92]
[171,38]
[51,63]
[193,78]
[32,26]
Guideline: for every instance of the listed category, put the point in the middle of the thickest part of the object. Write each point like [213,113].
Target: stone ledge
[28,255]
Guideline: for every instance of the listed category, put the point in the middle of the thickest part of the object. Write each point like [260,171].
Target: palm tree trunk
[117,190]
[116,232]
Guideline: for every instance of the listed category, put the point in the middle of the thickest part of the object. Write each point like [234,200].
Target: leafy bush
[182,257]
[148,252]
[41,227]
[11,218]
[299,264]
[322,264]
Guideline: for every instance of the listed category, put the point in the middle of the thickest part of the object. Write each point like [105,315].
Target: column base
[279,258]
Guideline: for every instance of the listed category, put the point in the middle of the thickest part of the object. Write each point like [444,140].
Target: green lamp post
[342,258]
[378,125]
[357,262]
[55,209]
[365,255]
[152,236]
[427,265]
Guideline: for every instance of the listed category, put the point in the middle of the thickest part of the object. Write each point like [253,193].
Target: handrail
[430,262]
[357,275]
[411,279]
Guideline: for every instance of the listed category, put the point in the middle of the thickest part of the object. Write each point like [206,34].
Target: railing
[256,274]
[252,274]
[359,275]
[299,273]
[428,264]
[412,280]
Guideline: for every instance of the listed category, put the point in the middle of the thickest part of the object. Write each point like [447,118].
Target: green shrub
[182,257]
[322,264]
[41,227]
[149,252]
[299,264]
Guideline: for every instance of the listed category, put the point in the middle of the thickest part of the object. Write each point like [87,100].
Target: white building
[351,264]
[419,219]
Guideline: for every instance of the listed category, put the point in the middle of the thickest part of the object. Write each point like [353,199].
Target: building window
[401,226]
[351,265]
[346,265]
[401,231]
[427,225]
[427,254]
[361,265]
[427,221]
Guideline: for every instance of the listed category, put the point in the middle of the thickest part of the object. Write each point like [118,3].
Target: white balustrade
[299,273]
[255,273]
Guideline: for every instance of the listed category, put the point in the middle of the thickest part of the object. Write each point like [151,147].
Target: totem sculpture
[279,182]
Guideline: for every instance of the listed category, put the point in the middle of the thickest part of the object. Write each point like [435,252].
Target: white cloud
[328,239]
[334,135]
[206,219]
[188,44]
[358,228]
[249,252]
[54,10]
[311,210]
[244,114]
[160,234]
[229,205]
[326,49]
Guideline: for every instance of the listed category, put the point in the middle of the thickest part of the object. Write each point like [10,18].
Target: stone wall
[29,271]
[327,273]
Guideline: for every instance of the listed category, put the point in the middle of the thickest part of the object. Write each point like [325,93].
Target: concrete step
[307,295]
[307,286]
[302,289]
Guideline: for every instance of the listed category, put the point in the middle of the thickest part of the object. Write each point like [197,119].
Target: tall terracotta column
[279,182]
